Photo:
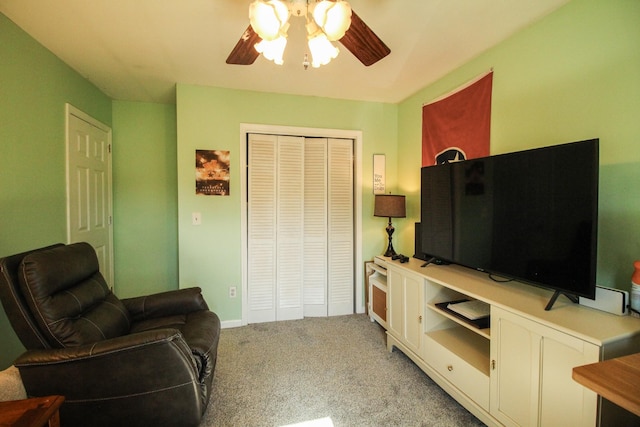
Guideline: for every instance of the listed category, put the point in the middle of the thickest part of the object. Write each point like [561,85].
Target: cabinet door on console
[406,305]
[395,288]
[563,400]
[515,353]
[531,383]
[414,309]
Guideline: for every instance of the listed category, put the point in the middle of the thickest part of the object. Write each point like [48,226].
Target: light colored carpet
[337,368]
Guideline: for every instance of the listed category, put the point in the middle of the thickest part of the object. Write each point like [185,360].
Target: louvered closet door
[275,227]
[300,227]
[340,232]
[290,227]
[261,232]
[315,228]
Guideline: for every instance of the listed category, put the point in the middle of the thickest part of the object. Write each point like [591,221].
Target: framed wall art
[212,172]
[379,164]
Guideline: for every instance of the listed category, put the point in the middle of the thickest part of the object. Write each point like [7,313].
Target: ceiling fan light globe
[319,11]
[322,51]
[267,18]
[273,50]
[333,17]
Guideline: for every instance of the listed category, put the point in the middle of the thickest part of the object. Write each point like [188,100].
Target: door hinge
[110,220]
[109,148]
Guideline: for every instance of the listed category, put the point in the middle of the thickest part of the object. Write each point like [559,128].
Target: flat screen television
[530,216]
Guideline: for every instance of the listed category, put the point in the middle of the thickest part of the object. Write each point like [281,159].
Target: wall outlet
[232,291]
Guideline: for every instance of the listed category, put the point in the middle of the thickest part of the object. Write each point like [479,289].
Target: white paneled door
[300,227]
[89,194]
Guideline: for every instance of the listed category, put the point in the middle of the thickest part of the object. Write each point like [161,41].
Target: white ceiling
[137,50]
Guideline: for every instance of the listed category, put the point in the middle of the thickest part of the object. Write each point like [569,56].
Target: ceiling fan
[323,17]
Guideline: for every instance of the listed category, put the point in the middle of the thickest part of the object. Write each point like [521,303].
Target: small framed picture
[212,172]
[379,173]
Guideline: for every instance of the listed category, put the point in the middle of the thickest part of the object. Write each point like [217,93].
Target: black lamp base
[390,251]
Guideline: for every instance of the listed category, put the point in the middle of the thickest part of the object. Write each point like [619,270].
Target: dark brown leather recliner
[140,361]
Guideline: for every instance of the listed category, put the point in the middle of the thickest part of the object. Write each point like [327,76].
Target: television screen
[529,215]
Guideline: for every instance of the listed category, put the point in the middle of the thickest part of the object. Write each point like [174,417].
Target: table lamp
[390,206]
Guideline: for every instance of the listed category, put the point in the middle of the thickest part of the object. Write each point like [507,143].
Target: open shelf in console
[479,326]
[471,347]
[437,298]
[453,338]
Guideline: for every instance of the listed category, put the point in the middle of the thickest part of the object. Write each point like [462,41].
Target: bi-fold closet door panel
[328,228]
[300,227]
[290,228]
[275,227]
[261,228]
[340,228]
[315,228]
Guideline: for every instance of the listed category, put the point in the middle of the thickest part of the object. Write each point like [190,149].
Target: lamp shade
[389,205]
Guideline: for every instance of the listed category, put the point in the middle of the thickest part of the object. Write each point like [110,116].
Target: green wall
[34,87]
[572,76]
[145,198]
[210,118]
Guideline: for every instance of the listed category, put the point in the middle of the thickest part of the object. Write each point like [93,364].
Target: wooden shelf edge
[484,332]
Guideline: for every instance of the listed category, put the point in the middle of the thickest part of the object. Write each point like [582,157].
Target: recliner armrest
[181,301]
[116,347]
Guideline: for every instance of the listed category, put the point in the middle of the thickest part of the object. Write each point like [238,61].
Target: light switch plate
[196,218]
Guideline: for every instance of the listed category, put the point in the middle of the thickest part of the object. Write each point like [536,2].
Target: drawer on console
[462,374]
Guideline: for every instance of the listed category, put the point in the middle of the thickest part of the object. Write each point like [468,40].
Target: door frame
[70,110]
[356,136]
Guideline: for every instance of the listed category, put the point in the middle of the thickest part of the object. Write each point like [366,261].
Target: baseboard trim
[231,324]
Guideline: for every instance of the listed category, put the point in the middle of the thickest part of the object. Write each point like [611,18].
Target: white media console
[515,371]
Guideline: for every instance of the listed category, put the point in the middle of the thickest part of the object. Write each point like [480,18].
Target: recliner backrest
[69,298]
[14,303]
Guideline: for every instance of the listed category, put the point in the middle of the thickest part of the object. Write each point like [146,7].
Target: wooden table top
[617,380]
[34,412]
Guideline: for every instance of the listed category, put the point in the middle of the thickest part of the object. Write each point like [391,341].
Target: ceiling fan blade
[244,52]
[363,43]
